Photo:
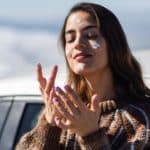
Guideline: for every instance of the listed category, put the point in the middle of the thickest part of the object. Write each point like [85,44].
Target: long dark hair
[126,71]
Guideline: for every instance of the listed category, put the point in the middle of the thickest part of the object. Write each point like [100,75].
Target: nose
[80,42]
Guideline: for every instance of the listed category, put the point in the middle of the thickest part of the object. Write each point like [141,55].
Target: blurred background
[29,32]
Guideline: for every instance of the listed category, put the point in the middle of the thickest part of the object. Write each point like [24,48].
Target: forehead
[79,19]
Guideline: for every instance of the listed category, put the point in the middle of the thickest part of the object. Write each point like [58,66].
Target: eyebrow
[86,28]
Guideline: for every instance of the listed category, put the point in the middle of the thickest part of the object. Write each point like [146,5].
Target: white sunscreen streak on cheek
[95,45]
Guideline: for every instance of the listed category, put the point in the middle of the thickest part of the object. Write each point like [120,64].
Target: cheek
[68,51]
[68,55]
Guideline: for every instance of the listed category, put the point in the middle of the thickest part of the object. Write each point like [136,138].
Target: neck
[102,84]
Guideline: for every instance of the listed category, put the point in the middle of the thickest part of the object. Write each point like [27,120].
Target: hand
[47,91]
[79,118]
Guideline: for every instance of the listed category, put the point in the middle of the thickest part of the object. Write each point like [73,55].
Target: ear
[95,102]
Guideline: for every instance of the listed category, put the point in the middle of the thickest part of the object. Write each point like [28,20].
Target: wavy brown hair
[126,70]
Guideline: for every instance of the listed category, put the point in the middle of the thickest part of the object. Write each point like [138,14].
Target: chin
[81,72]
[83,69]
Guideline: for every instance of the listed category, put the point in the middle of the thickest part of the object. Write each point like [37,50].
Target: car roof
[21,97]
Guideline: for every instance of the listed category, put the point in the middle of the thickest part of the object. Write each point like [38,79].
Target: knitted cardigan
[124,128]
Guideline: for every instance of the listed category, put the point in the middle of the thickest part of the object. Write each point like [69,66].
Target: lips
[82,56]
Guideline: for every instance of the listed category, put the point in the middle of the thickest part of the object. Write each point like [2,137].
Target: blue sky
[17,45]
[57,9]
[133,14]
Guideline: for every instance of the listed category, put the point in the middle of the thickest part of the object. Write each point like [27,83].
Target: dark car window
[4,110]
[29,119]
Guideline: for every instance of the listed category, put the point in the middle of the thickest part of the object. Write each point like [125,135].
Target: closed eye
[91,36]
[69,38]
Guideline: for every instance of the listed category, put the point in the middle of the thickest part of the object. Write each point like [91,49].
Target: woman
[105,104]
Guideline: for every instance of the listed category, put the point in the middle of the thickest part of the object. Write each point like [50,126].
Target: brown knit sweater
[125,128]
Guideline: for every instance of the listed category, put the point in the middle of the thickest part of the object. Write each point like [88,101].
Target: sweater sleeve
[41,137]
[97,140]
[135,133]
[137,124]
[137,143]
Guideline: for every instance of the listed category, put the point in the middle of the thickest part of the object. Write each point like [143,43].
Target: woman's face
[85,48]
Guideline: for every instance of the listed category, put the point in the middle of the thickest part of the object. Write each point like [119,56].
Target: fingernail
[55,66]
[66,87]
[39,65]
[55,100]
[57,89]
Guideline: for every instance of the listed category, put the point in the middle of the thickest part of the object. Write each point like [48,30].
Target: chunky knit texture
[124,128]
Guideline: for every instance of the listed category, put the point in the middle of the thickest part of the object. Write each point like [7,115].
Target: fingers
[74,97]
[46,88]
[51,80]
[67,102]
[62,109]
[95,102]
[49,101]
[40,78]
[44,85]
